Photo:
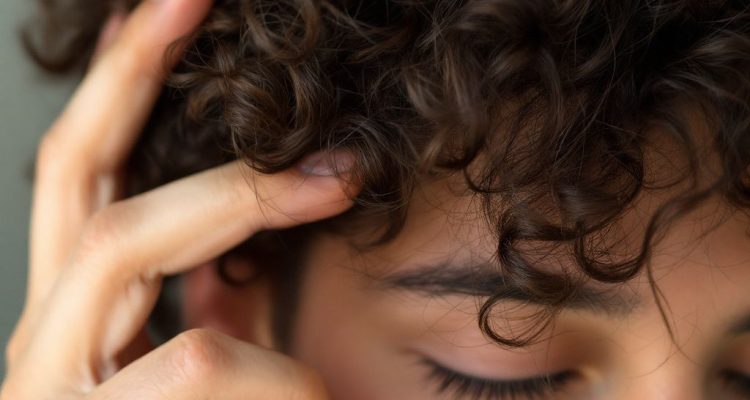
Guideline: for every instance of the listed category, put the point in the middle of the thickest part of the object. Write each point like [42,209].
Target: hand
[96,261]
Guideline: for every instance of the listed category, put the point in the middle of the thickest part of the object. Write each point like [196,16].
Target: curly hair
[549,109]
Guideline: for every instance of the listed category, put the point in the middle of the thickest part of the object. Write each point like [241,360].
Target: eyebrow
[478,280]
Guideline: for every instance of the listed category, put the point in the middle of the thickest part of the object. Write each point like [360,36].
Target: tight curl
[549,108]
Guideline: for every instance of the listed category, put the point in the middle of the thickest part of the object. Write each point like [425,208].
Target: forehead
[443,215]
[701,266]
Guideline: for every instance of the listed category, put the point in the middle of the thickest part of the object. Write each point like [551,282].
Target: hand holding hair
[96,261]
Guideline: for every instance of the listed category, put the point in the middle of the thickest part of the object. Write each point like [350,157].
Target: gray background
[29,102]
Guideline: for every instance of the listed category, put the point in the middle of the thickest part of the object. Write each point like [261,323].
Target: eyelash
[737,381]
[469,387]
[464,386]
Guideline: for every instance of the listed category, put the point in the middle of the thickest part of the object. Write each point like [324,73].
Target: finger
[115,98]
[106,295]
[108,34]
[79,157]
[205,364]
[141,344]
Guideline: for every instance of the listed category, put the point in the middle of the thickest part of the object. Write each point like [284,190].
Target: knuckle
[48,155]
[12,349]
[198,354]
[104,226]
[18,340]
[102,235]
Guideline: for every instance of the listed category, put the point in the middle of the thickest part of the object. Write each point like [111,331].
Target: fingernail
[327,163]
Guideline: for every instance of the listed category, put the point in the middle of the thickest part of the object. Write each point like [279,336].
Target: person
[480,199]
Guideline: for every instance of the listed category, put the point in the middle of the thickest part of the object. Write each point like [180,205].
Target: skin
[349,322]
[360,331]
[366,335]
[97,261]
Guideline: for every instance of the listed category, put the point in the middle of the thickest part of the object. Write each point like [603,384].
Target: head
[555,193]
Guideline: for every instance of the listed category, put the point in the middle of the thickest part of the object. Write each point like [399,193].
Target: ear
[243,312]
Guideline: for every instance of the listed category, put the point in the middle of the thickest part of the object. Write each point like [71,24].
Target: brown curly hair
[549,108]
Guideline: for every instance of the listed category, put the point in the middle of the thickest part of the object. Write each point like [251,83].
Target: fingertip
[109,32]
[300,198]
[158,24]
[183,15]
[339,164]
[327,163]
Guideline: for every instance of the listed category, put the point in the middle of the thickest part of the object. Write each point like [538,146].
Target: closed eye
[463,386]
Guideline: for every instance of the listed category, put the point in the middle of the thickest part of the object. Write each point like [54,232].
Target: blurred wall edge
[29,102]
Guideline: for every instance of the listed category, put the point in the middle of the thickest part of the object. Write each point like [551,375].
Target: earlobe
[241,311]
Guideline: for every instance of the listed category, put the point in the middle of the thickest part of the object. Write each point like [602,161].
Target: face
[400,321]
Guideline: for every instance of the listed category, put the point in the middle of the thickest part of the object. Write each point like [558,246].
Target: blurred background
[29,102]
